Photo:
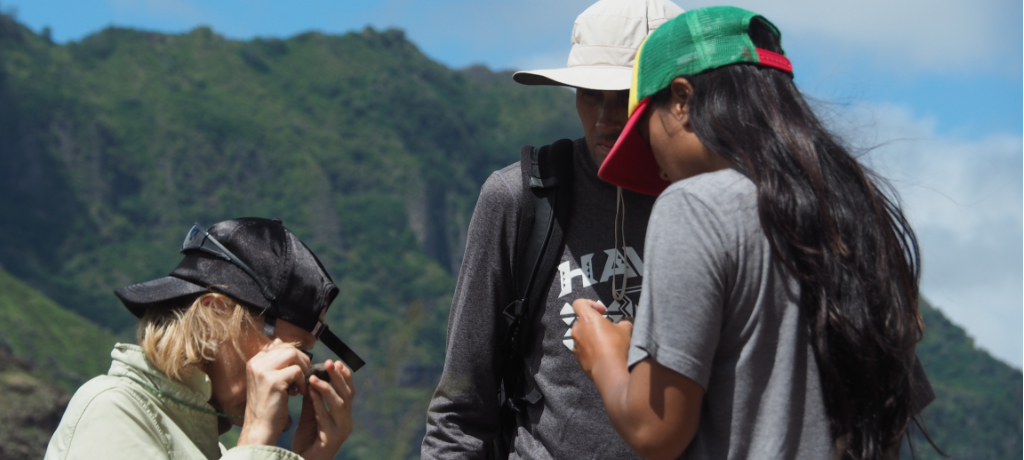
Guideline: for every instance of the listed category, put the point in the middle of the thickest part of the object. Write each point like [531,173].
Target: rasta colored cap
[258,263]
[691,43]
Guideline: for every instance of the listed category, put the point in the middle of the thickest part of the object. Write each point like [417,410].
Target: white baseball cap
[605,38]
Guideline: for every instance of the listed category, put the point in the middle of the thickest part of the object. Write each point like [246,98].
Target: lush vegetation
[112,146]
[977,408]
[58,344]
[45,353]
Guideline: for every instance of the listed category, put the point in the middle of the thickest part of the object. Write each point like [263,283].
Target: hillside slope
[977,408]
[46,352]
[59,345]
[112,146]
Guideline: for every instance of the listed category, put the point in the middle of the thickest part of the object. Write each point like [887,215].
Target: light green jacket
[114,417]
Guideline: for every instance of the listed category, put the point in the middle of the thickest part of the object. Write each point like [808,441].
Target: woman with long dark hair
[780,309]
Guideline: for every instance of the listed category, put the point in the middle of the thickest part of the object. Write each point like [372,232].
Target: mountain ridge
[110,147]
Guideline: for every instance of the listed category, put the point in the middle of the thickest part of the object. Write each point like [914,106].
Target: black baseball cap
[257,262]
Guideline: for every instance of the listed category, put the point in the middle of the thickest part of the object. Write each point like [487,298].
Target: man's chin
[599,152]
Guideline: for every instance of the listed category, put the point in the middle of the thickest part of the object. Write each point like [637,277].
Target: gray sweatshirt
[570,421]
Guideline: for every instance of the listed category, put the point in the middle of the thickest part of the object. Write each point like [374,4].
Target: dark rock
[30,410]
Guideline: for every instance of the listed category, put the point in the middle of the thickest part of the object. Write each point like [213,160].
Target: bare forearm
[653,408]
[656,420]
[612,381]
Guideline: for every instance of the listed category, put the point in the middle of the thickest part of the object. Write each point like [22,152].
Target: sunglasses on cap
[198,239]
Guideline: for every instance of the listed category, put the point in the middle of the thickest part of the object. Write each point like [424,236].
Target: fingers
[294,379]
[329,404]
[272,375]
[318,401]
[279,360]
[587,309]
[280,354]
[341,379]
[332,391]
[308,412]
[331,417]
[625,327]
[290,380]
[337,394]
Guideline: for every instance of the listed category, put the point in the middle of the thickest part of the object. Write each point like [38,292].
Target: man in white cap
[547,408]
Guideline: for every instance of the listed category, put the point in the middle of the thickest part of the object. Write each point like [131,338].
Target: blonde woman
[223,340]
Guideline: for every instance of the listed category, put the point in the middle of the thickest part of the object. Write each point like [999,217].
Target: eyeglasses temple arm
[249,271]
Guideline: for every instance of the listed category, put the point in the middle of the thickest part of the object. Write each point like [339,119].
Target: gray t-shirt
[570,421]
[720,308]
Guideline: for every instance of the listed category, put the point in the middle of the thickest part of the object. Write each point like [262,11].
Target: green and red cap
[691,43]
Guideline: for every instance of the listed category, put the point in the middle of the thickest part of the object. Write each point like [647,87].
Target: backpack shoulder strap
[546,199]
[547,188]
[543,215]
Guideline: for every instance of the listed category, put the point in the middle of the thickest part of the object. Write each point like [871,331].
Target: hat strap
[772,59]
[269,323]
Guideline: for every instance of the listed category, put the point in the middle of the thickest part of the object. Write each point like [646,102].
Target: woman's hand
[600,346]
[270,376]
[654,409]
[321,431]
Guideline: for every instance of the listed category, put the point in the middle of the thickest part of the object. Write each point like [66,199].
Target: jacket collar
[130,360]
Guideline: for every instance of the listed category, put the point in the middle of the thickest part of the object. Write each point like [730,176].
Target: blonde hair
[180,340]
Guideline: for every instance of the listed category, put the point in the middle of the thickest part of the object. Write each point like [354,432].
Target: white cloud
[928,35]
[937,35]
[964,200]
[944,35]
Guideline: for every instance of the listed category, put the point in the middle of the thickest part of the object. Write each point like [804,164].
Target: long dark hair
[843,238]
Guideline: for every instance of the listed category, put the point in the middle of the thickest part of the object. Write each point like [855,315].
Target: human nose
[612,116]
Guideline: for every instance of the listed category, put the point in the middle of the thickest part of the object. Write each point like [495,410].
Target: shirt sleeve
[463,414]
[679,318]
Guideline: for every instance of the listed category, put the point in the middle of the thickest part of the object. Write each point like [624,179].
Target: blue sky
[934,85]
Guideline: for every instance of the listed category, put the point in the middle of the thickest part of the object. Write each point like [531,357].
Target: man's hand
[321,431]
[269,375]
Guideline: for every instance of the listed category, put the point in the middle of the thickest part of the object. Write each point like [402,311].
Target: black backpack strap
[544,209]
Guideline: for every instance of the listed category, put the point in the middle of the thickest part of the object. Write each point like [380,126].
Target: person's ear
[682,94]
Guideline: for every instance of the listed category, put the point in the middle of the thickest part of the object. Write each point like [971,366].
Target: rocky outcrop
[30,409]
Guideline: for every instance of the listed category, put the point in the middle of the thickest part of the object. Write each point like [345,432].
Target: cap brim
[139,296]
[603,78]
[631,164]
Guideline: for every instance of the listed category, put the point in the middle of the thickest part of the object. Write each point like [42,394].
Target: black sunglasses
[200,239]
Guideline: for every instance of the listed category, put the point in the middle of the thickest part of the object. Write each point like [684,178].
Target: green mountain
[30,409]
[977,408]
[111,147]
[60,345]
[46,352]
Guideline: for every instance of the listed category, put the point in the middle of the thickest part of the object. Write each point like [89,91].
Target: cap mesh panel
[693,42]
